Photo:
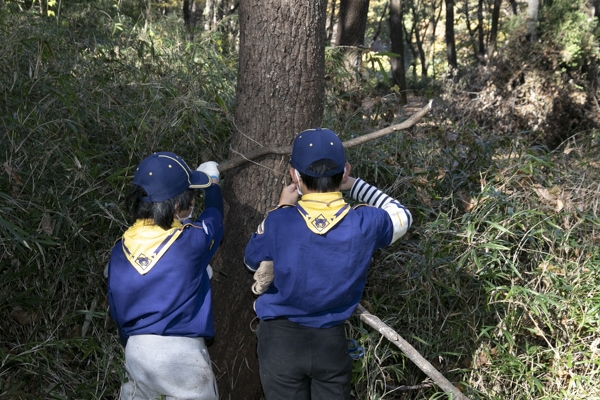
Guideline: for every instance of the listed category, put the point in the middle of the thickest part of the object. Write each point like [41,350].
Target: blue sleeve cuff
[214,198]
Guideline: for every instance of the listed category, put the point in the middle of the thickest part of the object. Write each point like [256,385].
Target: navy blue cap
[164,175]
[315,145]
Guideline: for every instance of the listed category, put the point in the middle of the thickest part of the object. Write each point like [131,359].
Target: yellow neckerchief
[145,243]
[322,211]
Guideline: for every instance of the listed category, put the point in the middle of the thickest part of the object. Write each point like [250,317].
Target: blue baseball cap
[164,175]
[314,145]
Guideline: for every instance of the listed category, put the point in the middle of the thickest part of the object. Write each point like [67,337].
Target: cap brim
[200,180]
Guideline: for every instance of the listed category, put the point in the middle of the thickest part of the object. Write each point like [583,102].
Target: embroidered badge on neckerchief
[322,211]
[145,243]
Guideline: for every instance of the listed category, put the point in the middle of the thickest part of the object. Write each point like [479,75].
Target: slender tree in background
[450,41]
[467,11]
[413,50]
[280,92]
[209,14]
[596,9]
[222,6]
[331,21]
[214,12]
[397,39]
[375,41]
[419,41]
[351,27]
[494,28]
[190,17]
[425,18]
[532,18]
[480,33]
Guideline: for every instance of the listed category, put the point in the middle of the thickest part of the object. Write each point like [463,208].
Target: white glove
[263,277]
[210,168]
[210,271]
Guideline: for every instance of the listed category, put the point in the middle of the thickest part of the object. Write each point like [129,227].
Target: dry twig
[410,352]
[283,150]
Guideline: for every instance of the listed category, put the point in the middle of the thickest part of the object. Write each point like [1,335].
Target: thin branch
[409,351]
[286,150]
[405,388]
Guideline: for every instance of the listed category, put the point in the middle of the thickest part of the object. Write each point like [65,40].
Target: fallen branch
[409,351]
[283,150]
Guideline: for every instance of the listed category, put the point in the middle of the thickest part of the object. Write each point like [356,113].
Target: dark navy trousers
[302,363]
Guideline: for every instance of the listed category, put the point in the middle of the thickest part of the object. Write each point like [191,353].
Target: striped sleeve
[400,216]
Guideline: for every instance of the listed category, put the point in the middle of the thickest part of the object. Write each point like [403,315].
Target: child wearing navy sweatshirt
[311,256]
[159,288]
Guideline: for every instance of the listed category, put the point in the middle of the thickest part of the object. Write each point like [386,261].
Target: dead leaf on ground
[12,174]
[22,317]
[543,193]
[46,225]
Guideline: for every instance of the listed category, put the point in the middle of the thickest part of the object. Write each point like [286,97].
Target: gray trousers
[172,366]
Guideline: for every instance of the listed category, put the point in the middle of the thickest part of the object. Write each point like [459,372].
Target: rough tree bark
[397,39]
[351,27]
[280,92]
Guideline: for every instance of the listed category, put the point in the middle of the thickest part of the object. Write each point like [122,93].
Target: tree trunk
[494,28]
[434,21]
[190,15]
[480,33]
[331,22]
[44,7]
[532,17]
[209,14]
[280,91]
[450,41]
[397,39]
[513,6]
[413,51]
[595,9]
[352,24]
[221,11]
[419,41]
[470,29]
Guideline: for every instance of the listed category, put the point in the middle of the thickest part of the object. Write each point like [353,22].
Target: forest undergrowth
[496,284]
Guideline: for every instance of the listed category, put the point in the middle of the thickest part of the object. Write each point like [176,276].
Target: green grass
[76,118]
[496,284]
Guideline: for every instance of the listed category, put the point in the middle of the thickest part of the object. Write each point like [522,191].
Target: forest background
[497,282]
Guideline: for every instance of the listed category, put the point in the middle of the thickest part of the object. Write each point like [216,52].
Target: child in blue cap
[159,289]
[310,257]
